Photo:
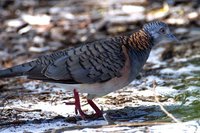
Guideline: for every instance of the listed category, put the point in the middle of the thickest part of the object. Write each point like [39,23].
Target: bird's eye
[162,30]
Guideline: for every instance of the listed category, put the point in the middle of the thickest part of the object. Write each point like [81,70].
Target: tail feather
[19,70]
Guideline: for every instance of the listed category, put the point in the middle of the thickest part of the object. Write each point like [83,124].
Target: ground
[30,29]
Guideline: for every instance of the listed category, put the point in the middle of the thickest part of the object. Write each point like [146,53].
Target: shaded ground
[29,29]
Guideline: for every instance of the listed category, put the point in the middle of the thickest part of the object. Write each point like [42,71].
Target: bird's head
[159,32]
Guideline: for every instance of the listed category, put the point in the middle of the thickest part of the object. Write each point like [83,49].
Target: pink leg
[96,109]
[78,105]
[78,109]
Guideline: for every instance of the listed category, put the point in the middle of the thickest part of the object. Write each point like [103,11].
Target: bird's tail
[19,70]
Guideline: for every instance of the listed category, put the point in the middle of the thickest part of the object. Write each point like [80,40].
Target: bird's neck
[140,40]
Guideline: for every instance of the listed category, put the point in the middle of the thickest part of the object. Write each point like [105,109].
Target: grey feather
[88,64]
[18,70]
[97,61]
[94,62]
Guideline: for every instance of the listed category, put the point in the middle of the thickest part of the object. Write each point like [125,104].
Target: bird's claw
[80,111]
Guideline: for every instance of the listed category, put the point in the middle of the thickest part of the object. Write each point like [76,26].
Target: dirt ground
[29,29]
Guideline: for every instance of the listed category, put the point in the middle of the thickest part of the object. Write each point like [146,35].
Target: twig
[109,126]
[161,106]
[26,110]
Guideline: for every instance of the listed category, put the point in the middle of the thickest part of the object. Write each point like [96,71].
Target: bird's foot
[98,112]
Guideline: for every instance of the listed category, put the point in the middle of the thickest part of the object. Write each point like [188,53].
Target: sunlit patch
[180,71]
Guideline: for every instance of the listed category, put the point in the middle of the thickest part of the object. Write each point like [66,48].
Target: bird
[96,68]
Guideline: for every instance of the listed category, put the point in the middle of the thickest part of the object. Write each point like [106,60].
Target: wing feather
[94,62]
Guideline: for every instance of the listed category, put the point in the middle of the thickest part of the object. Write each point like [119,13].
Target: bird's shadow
[140,113]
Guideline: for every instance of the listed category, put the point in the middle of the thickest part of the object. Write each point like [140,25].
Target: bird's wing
[98,61]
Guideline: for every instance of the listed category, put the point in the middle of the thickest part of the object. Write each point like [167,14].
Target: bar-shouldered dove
[96,68]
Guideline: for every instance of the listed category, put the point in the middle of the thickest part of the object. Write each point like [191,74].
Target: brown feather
[140,40]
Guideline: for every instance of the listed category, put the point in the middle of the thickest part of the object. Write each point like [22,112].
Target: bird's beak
[173,38]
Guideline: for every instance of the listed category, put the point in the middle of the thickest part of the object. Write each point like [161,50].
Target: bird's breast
[103,88]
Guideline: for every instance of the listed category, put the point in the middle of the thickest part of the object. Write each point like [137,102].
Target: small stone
[37,19]
[193,15]
[14,23]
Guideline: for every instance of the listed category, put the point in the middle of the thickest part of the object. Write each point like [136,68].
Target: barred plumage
[140,40]
[98,61]
[98,67]
[94,62]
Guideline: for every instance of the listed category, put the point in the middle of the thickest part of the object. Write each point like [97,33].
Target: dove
[96,68]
